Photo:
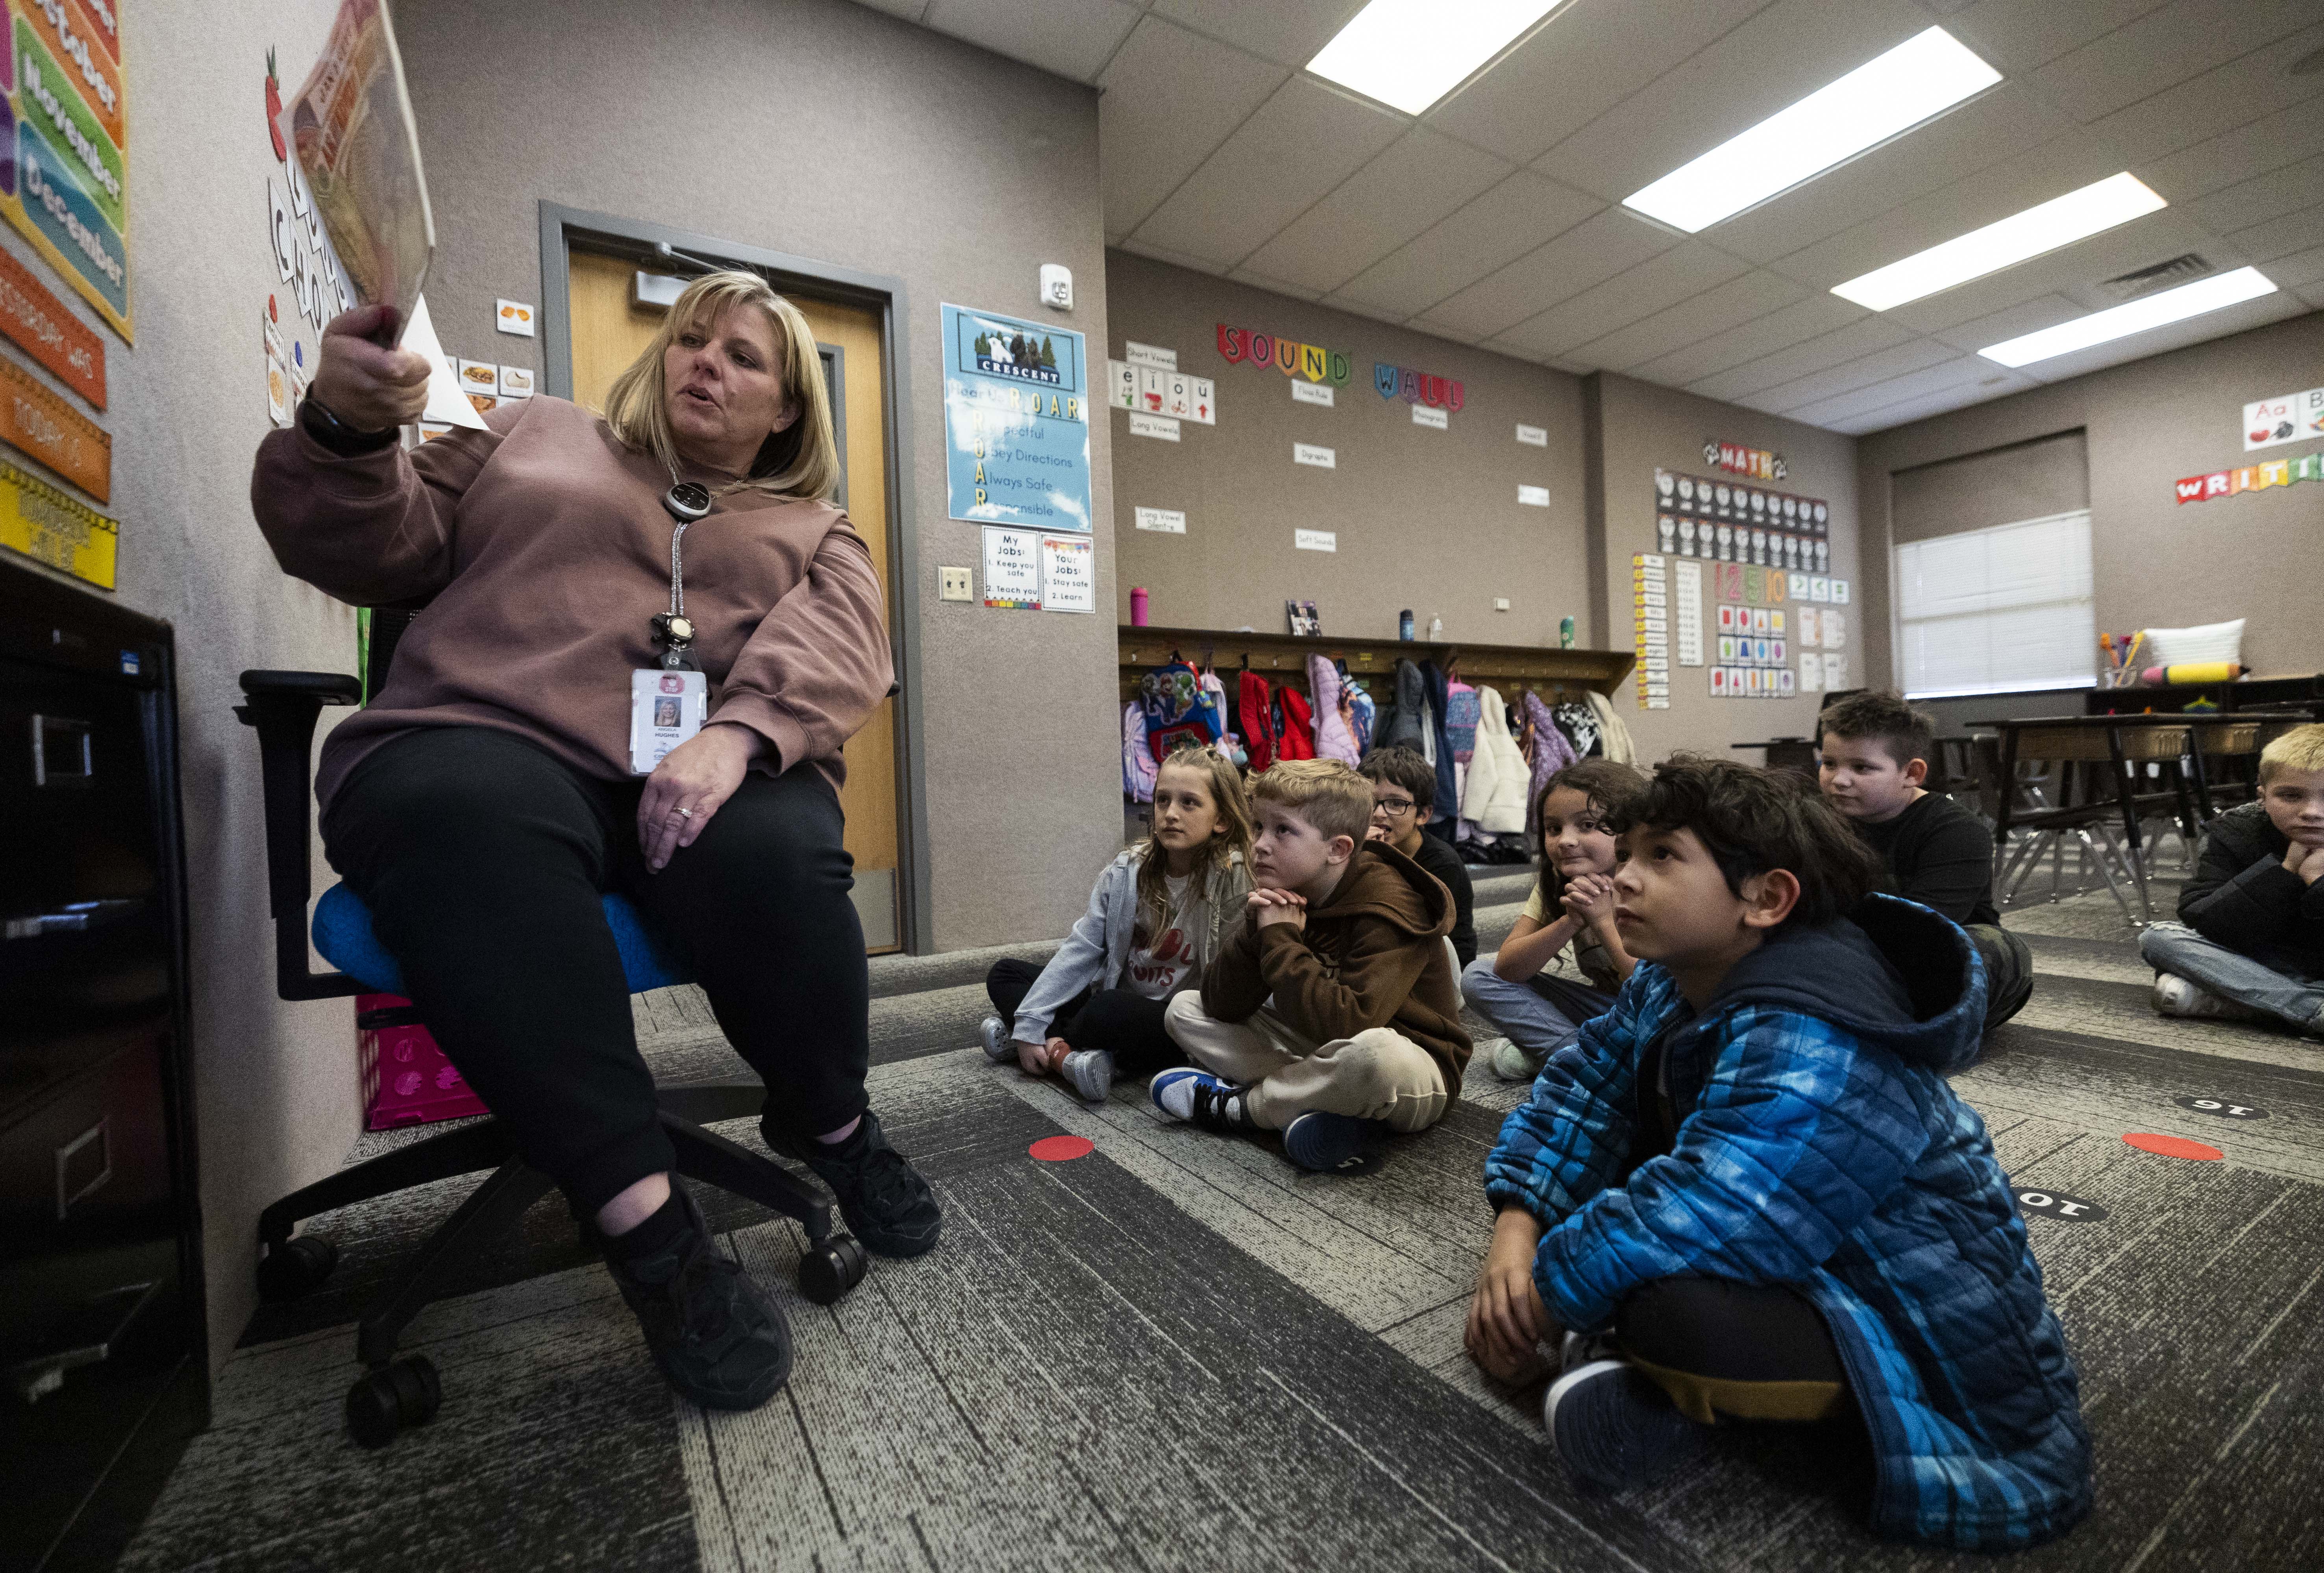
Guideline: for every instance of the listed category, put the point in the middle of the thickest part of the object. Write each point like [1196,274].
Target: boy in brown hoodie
[1332,1015]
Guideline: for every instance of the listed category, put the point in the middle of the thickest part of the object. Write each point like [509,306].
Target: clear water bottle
[1404,625]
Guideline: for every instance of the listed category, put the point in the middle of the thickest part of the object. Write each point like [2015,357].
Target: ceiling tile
[1522,212]
[1590,56]
[1590,252]
[2313,294]
[1302,141]
[1175,259]
[1073,38]
[2285,137]
[2256,201]
[909,10]
[1418,180]
[2017,36]
[1780,329]
[1287,31]
[2029,316]
[1654,285]
[1779,56]
[1169,99]
[2165,47]
[1863,372]
[1960,371]
[1258,281]
[1829,349]
[1713,311]
[2233,95]
[1908,180]
[2263,243]
[1921,409]
[2299,270]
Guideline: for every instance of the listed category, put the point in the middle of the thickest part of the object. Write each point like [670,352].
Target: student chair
[2097,782]
[393,1393]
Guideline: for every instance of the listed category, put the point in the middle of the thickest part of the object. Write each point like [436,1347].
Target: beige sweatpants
[1375,1075]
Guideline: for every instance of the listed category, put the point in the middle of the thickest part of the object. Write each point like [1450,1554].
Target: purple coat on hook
[1551,754]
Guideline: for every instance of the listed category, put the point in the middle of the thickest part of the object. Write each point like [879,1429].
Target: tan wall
[1647,428]
[833,132]
[275,1089]
[1425,519]
[2154,561]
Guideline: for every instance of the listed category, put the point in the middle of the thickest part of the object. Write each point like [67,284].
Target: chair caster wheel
[830,1270]
[295,1268]
[394,1397]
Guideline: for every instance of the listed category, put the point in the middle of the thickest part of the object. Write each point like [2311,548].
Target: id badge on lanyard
[666,708]
[669,703]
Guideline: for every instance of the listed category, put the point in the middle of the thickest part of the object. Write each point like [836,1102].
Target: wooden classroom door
[609,332]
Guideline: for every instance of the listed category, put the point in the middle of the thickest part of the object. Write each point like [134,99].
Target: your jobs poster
[63,167]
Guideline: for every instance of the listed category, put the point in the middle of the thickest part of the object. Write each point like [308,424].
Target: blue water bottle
[1404,625]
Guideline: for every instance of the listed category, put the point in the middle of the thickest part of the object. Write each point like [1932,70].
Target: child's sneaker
[1200,1099]
[994,1033]
[1334,1144]
[1089,1072]
[1614,1428]
[2178,996]
[1514,1062]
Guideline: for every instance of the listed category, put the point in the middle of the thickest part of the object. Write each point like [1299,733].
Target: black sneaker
[718,1337]
[883,1197]
[1334,1144]
[1614,1428]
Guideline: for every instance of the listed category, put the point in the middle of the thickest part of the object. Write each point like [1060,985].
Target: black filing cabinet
[104,1368]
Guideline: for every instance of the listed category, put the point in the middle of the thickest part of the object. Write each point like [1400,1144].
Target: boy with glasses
[1404,796]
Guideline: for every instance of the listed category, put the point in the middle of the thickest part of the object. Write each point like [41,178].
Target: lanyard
[686,501]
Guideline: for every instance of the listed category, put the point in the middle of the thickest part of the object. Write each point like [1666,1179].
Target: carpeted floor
[1178,1352]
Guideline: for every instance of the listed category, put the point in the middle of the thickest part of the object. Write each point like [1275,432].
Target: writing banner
[1016,397]
[47,525]
[66,125]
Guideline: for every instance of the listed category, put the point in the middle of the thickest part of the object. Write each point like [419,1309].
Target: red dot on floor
[2171,1146]
[1059,1149]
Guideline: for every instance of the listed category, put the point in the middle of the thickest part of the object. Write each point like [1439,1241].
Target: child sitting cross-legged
[2249,941]
[1159,911]
[1747,1194]
[1538,1010]
[1330,1014]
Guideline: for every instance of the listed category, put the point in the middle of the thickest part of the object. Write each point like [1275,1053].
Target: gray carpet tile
[1180,1352]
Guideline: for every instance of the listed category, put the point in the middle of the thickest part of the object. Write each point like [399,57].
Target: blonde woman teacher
[579,572]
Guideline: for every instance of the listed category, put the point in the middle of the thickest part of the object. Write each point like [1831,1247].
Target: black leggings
[1750,1351]
[1127,1025]
[482,858]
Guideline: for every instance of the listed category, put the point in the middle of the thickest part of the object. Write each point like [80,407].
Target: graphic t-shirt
[1589,951]
[1160,965]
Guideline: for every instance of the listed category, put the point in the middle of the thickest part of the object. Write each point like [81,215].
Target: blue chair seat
[343,937]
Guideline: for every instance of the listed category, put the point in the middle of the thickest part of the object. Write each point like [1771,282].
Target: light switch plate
[953,584]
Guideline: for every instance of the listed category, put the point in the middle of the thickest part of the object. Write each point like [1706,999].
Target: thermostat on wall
[1057,286]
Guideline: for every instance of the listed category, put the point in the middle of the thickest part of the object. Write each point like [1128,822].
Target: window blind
[1986,611]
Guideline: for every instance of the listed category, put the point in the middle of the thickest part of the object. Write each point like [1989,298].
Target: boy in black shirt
[1874,752]
[1404,795]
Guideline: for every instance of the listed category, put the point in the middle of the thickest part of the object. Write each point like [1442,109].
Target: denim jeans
[2266,984]
[1540,1015]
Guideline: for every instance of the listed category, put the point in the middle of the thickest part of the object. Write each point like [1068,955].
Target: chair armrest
[283,707]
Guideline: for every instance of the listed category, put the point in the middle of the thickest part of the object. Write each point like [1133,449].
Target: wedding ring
[683,813]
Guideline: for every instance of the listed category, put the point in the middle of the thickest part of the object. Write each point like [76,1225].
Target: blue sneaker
[1334,1144]
[1200,1099]
[1613,1429]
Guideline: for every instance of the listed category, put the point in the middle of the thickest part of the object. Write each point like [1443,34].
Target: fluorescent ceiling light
[2155,312]
[1409,53]
[2061,221]
[1924,75]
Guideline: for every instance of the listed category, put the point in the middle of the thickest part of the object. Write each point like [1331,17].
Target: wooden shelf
[1282,658]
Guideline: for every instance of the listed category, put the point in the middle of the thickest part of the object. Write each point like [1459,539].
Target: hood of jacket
[1383,883]
[1893,974]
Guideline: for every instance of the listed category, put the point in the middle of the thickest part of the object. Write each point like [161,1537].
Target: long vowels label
[51,334]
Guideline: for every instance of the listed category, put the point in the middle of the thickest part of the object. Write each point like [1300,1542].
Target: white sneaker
[1089,1072]
[1512,1063]
[994,1033]
[2177,997]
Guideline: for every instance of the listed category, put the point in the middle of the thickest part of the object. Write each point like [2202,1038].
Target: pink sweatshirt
[546,549]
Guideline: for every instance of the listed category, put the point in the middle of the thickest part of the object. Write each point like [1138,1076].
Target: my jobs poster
[63,169]
[1016,397]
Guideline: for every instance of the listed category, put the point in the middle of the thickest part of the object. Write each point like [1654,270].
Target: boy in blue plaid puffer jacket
[1746,1193]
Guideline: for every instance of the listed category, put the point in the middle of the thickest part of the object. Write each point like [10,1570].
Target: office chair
[394,1393]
